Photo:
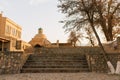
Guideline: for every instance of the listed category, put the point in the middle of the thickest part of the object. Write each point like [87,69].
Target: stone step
[51,63]
[56,60]
[53,58]
[55,66]
[52,70]
[80,65]
[55,55]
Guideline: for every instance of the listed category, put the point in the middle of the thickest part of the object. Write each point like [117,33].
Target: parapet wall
[68,50]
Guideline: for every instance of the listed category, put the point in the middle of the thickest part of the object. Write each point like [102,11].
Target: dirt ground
[60,76]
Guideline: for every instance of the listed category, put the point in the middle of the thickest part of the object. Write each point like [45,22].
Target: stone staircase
[54,60]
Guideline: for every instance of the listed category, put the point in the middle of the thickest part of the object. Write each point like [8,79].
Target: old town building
[10,35]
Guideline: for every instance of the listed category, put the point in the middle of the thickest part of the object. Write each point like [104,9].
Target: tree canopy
[105,14]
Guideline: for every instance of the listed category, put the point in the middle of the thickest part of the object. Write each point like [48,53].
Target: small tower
[40,31]
[57,43]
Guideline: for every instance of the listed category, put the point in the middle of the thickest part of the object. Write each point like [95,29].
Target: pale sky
[33,14]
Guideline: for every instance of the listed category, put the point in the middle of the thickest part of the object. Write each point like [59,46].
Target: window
[19,34]
[13,31]
[18,44]
[7,29]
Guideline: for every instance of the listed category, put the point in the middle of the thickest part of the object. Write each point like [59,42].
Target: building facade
[10,35]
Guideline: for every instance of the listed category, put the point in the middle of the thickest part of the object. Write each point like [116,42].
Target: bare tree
[106,14]
[74,37]
[82,12]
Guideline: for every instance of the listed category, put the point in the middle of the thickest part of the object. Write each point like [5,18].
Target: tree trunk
[118,68]
[99,42]
[110,66]
[104,27]
[107,32]
[110,27]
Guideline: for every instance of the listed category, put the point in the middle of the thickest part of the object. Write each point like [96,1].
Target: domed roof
[40,29]
[41,42]
[40,39]
[40,36]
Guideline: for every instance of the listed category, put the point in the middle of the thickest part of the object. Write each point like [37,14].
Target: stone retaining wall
[97,62]
[11,62]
